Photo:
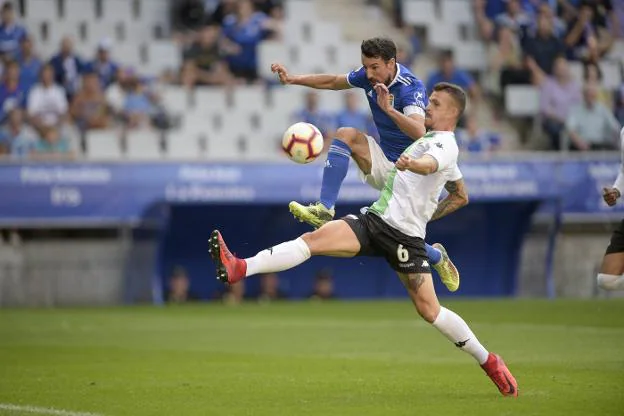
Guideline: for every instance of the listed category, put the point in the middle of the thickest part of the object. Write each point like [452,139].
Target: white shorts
[380,166]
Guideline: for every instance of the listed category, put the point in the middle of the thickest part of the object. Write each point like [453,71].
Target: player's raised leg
[423,296]
[335,239]
[348,143]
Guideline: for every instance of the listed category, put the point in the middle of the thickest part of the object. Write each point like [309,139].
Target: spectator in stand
[559,26]
[204,54]
[351,115]
[590,125]
[506,64]
[514,18]
[447,72]
[216,11]
[138,107]
[47,102]
[323,286]
[11,33]
[117,91]
[103,65]
[89,109]
[588,37]
[471,139]
[16,137]
[243,32]
[270,288]
[53,144]
[543,47]
[593,75]
[619,105]
[67,67]
[30,64]
[313,115]
[558,94]
[12,93]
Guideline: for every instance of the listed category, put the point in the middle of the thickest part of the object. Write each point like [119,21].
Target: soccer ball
[302,142]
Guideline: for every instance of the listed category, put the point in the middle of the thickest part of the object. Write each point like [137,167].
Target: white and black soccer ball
[302,142]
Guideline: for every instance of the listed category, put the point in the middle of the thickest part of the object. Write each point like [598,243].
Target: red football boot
[230,269]
[496,369]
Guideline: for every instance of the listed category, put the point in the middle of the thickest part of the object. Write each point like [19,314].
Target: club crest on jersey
[391,100]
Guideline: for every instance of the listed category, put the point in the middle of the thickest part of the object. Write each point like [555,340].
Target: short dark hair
[457,94]
[383,48]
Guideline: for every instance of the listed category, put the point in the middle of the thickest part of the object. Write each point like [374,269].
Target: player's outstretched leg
[441,262]
[335,239]
[348,141]
[422,294]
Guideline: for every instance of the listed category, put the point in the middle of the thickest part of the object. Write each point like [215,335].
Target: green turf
[364,358]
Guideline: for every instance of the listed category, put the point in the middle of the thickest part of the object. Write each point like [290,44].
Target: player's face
[440,109]
[378,70]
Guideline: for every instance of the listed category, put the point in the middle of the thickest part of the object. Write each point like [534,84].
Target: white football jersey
[619,181]
[408,200]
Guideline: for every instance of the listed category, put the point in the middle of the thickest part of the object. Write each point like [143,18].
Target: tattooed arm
[457,197]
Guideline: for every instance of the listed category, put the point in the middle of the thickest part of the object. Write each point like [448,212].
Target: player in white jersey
[394,228]
[611,275]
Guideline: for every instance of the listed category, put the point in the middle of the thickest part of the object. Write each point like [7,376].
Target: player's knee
[607,281]
[311,239]
[347,135]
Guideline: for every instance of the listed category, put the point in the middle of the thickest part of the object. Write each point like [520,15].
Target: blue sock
[434,254]
[336,168]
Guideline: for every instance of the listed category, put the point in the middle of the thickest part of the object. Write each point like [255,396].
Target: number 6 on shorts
[402,254]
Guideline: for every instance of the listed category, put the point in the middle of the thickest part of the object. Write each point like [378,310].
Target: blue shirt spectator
[52,143]
[351,116]
[448,73]
[311,114]
[12,93]
[245,30]
[30,64]
[103,65]
[473,140]
[11,33]
[17,137]
[67,67]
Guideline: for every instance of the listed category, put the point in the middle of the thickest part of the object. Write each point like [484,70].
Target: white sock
[456,330]
[281,257]
[610,282]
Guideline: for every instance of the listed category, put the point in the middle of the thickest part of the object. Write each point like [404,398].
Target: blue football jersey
[409,96]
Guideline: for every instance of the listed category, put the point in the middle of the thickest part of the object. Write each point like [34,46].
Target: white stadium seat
[457,11]
[207,99]
[419,12]
[576,71]
[300,11]
[443,35]
[143,145]
[184,144]
[175,99]
[287,100]
[248,99]
[103,145]
[470,55]
[118,10]
[79,10]
[522,100]
[40,9]
[611,74]
[270,52]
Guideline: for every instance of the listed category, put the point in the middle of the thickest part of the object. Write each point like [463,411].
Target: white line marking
[44,410]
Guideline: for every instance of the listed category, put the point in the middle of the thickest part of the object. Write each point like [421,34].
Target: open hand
[383,97]
[282,73]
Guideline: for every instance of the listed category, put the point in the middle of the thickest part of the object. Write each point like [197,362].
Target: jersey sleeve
[443,153]
[414,99]
[455,174]
[619,181]
[357,78]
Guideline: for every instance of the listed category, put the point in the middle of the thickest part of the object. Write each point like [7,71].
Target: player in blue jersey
[397,101]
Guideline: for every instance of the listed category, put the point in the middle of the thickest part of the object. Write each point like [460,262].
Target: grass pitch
[352,358]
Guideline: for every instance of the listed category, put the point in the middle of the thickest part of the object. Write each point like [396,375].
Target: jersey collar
[396,77]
